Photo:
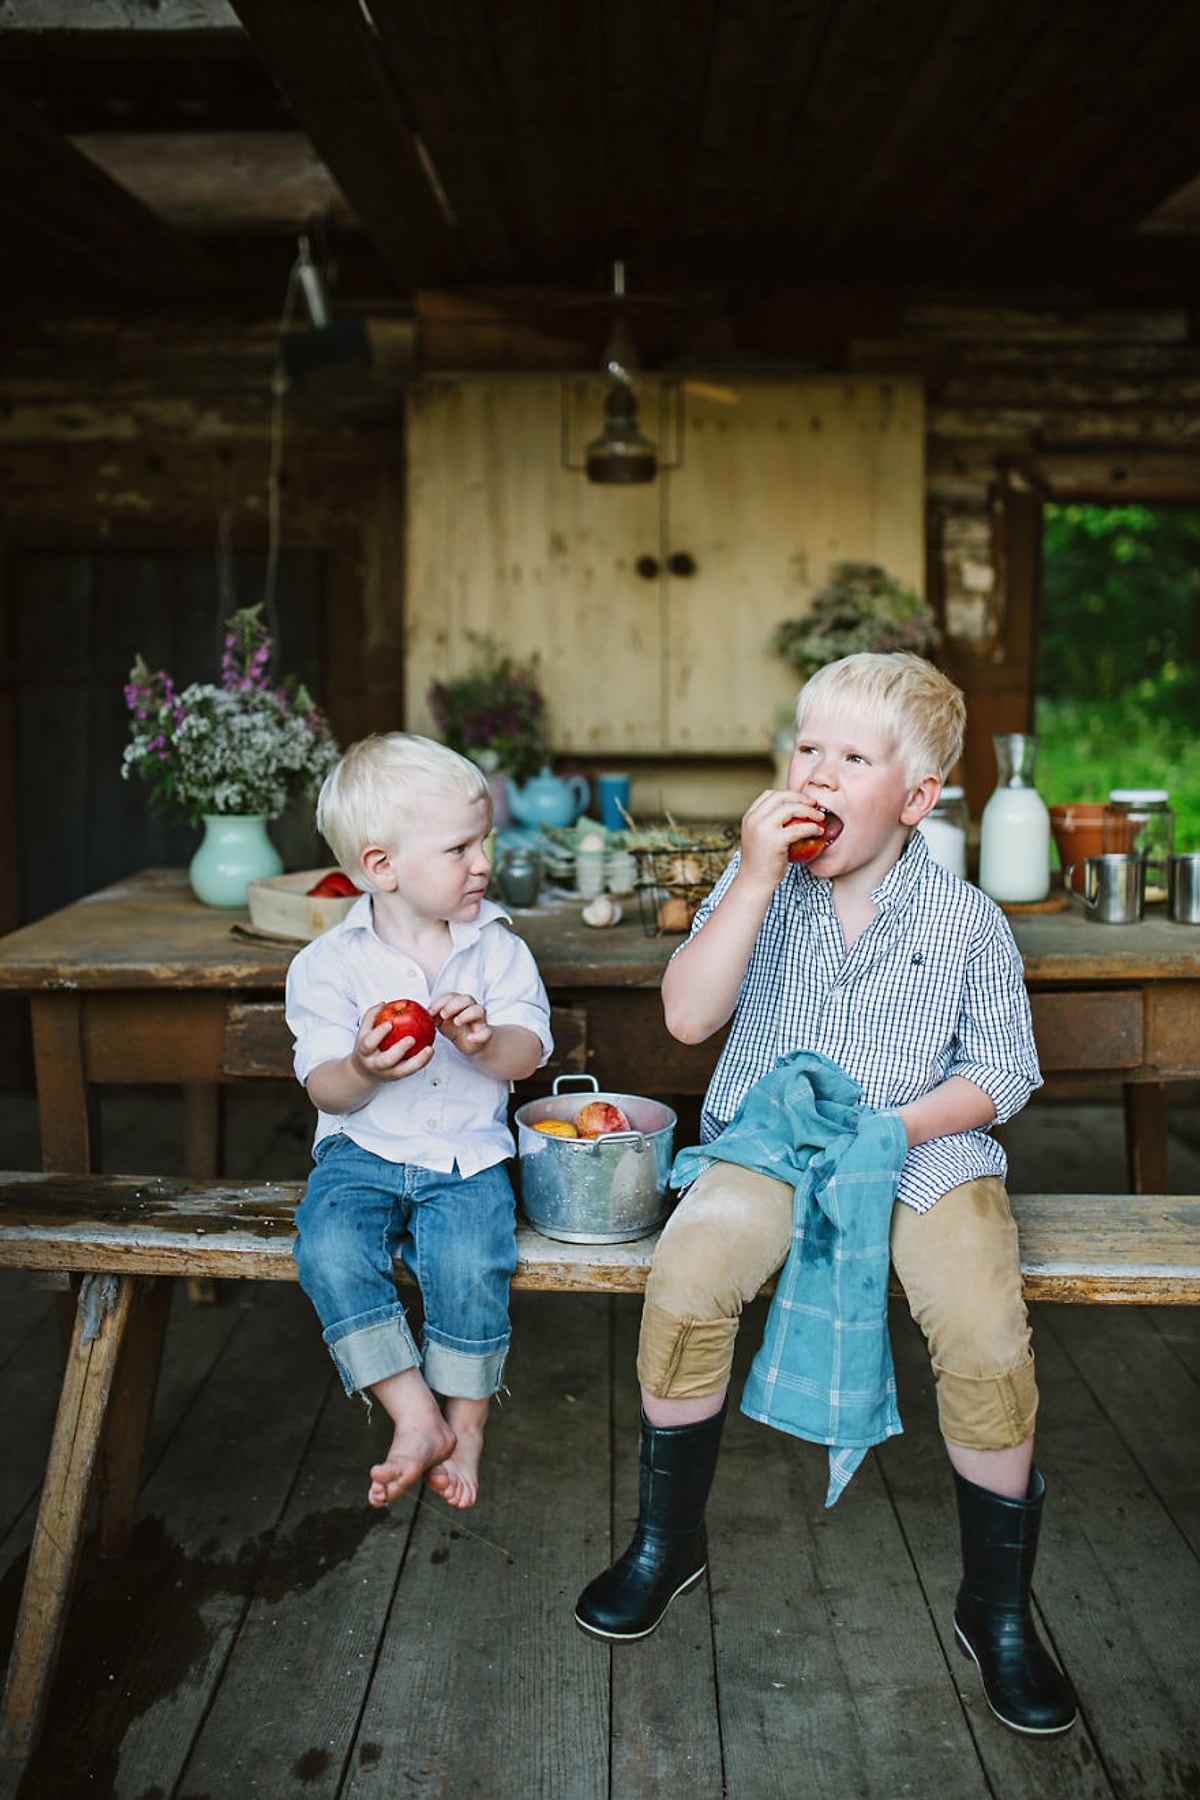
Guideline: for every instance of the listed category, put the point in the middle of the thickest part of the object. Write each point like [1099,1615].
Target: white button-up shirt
[451,1111]
[933,987]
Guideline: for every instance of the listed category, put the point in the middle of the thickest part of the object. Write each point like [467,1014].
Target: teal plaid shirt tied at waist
[824,1371]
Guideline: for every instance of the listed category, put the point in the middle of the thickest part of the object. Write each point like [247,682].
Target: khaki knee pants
[958,1264]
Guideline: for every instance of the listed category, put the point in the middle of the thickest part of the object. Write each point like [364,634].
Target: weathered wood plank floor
[272,1636]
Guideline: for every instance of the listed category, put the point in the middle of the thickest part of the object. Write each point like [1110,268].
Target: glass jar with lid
[1139,822]
[944,829]
[520,877]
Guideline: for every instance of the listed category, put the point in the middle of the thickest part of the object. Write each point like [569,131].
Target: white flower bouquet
[245,747]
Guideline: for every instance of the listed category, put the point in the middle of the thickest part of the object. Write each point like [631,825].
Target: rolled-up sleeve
[516,995]
[994,1045]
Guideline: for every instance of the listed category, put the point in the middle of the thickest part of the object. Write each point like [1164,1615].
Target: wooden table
[139,983]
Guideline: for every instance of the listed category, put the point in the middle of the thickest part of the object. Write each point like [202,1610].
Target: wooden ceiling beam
[327,62]
[86,226]
[95,18]
[1014,188]
[221,182]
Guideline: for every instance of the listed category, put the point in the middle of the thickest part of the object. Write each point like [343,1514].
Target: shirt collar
[814,890]
[462,931]
[904,874]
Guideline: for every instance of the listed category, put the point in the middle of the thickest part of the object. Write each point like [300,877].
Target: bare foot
[456,1477]
[421,1441]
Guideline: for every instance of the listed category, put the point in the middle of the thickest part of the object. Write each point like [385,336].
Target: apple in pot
[599,1117]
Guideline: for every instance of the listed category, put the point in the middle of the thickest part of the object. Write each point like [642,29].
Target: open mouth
[832,831]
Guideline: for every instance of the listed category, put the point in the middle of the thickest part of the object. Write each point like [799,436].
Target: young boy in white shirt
[412,1145]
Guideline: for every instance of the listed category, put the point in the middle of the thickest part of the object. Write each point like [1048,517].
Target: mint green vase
[235,849]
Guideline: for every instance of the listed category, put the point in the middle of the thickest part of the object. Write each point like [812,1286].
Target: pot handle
[592,1083]
[636,1138]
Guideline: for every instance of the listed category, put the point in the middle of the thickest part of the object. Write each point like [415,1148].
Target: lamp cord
[279,388]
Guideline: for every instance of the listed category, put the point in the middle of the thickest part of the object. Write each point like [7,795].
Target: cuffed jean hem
[457,1375]
[374,1352]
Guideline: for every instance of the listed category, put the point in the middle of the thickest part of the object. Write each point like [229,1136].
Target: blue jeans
[456,1236]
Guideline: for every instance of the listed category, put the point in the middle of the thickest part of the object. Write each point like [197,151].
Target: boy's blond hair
[920,707]
[381,784]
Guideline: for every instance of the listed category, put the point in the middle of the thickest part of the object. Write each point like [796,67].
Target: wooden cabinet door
[776,487]
[504,540]
[764,487]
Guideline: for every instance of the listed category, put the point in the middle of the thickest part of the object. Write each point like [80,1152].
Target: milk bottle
[1014,832]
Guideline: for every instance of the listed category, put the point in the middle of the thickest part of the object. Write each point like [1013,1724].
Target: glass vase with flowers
[219,754]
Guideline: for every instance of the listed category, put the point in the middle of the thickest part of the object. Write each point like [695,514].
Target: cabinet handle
[647,567]
[682,564]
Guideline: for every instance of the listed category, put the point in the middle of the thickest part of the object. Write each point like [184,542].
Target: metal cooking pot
[605,1190]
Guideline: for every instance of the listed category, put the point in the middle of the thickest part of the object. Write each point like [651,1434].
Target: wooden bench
[122,1234]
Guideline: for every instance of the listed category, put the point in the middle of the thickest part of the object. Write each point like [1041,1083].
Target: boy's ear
[921,800]
[376,865]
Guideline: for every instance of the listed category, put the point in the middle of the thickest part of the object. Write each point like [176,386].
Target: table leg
[103,1312]
[1146,1136]
[70,1119]
[203,1130]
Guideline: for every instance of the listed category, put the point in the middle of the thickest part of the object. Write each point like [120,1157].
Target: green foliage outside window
[1119,652]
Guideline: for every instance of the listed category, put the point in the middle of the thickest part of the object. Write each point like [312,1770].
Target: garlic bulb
[603,910]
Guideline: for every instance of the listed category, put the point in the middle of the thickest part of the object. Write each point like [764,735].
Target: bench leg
[129,1415]
[102,1314]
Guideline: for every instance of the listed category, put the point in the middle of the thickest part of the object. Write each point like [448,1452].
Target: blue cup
[612,794]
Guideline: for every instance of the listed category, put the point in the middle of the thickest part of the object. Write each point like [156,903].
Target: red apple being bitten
[598,1117]
[806,848]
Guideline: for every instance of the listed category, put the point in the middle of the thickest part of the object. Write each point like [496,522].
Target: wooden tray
[283,906]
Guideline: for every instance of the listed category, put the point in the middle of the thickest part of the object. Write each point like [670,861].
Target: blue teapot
[548,799]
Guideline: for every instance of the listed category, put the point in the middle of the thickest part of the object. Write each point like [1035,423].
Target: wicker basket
[672,880]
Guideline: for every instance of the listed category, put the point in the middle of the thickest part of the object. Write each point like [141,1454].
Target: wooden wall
[164,438]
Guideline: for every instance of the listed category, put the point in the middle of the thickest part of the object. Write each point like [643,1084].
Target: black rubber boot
[669,1552]
[1024,1686]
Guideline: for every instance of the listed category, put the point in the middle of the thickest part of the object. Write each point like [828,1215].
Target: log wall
[117,435]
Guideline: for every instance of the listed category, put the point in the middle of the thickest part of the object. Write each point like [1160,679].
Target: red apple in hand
[406,1018]
[599,1116]
[805,849]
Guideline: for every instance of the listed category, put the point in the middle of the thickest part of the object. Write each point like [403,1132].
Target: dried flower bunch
[862,608]
[495,713]
[248,746]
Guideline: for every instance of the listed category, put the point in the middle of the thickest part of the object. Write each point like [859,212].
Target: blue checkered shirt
[933,987]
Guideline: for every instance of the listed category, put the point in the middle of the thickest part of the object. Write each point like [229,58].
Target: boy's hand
[370,1060]
[463,1020]
[771,825]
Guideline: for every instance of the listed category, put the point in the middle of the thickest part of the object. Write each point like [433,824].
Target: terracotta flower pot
[1078,832]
